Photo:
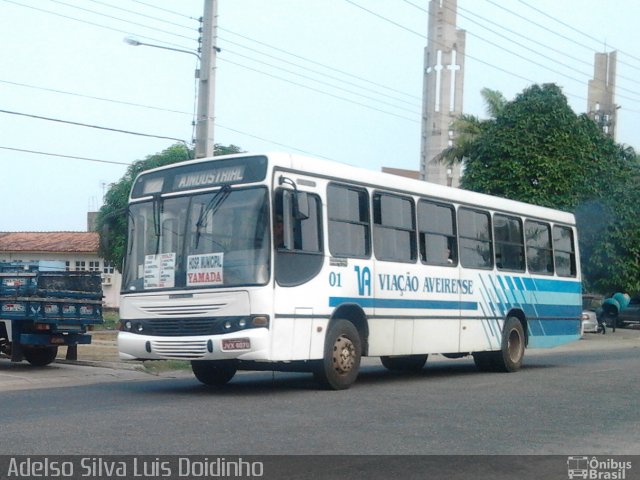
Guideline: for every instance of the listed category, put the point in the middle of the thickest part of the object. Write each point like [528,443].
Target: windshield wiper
[157,213]
[214,204]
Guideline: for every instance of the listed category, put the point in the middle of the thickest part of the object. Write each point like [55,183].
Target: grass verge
[160,366]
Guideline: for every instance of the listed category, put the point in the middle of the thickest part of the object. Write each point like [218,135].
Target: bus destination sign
[199,175]
[210,177]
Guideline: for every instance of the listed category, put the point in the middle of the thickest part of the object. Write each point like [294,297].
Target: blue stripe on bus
[550,341]
[393,303]
[543,311]
[547,285]
[554,327]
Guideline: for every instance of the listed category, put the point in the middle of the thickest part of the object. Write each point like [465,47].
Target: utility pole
[207,80]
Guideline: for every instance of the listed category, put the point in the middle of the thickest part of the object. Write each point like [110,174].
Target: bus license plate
[236,344]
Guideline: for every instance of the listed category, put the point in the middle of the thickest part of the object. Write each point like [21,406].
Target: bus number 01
[335,279]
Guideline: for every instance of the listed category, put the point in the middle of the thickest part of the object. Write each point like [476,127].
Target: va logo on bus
[364,281]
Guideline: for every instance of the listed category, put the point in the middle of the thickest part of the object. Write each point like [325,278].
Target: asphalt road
[580,399]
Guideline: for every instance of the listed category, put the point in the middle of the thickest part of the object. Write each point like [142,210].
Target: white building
[78,251]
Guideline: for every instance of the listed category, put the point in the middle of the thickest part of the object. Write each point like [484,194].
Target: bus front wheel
[342,352]
[214,372]
[509,357]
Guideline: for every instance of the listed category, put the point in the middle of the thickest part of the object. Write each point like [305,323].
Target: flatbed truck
[43,309]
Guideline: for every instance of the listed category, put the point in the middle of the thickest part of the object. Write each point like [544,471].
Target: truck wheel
[214,372]
[406,363]
[342,351]
[40,356]
[509,357]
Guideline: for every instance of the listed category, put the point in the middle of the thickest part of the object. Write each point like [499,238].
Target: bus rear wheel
[40,356]
[509,357]
[406,363]
[214,372]
[342,352]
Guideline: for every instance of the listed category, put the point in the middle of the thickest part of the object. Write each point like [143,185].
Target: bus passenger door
[298,264]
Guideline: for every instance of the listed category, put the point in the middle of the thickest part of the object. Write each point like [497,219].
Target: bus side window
[297,241]
[437,233]
[564,251]
[539,251]
[476,246]
[509,243]
[349,226]
[394,233]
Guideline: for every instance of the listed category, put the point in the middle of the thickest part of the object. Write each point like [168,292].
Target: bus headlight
[125,326]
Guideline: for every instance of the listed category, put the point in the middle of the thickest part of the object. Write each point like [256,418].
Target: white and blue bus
[284,262]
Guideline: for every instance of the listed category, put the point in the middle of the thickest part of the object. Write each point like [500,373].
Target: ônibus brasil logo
[594,468]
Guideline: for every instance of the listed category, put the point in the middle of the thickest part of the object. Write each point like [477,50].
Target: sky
[337,79]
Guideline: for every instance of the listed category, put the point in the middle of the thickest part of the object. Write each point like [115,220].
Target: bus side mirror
[301,205]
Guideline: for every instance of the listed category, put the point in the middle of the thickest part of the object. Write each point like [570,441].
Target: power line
[366,80]
[588,75]
[496,45]
[272,141]
[317,72]
[551,30]
[417,112]
[162,109]
[158,19]
[513,74]
[287,71]
[91,97]
[126,32]
[79,124]
[510,40]
[386,19]
[573,28]
[64,156]
[122,20]
[318,90]
[559,52]
[165,10]
[146,106]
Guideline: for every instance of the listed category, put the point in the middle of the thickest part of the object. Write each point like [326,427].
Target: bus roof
[389,181]
[347,173]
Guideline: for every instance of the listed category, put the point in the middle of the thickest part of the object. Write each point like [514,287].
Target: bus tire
[509,357]
[214,372]
[405,363]
[40,356]
[342,352]
[513,344]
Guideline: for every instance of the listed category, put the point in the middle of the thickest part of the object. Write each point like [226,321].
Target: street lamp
[136,43]
[206,88]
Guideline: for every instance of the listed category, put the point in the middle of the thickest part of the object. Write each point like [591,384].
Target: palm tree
[467,128]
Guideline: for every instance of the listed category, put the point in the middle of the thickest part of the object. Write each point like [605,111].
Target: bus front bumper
[251,344]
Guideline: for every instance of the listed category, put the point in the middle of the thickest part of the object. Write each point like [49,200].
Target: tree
[468,128]
[538,150]
[112,218]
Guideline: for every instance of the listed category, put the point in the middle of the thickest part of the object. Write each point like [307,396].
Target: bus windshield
[214,239]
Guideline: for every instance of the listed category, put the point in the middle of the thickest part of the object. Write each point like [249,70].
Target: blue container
[610,307]
[623,300]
